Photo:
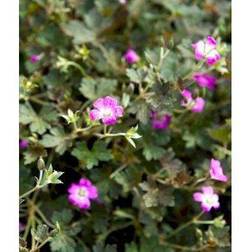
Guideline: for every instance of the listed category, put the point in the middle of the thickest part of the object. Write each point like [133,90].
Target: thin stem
[185,248]
[41,245]
[33,239]
[185,225]
[207,222]
[34,188]
[29,192]
[118,170]
[103,236]
[199,181]
[80,68]
[105,129]
[42,216]
[27,229]
[109,135]
[38,101]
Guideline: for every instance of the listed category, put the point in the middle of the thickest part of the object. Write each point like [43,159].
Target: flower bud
[41,164]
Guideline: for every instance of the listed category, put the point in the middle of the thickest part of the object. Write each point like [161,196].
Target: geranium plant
[125,126]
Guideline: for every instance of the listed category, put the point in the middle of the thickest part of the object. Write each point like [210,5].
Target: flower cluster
[81,194]
[203,50]
[106,109]
[195,105]
[207,197]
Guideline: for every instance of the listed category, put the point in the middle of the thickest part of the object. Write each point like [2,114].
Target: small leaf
[51,177]
[91,158]
[80,33]
[95,88]
[40,233]
[57,139]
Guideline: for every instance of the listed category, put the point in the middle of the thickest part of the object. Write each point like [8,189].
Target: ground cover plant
[125,125]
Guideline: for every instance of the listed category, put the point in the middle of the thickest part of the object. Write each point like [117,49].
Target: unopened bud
[41,164]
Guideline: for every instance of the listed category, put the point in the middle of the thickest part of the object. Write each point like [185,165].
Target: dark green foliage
[145,177]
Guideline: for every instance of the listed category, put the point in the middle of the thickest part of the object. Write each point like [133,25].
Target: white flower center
[106,112]
[210,200]
[82,193]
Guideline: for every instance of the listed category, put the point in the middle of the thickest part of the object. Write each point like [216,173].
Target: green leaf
[57,139]
[221,134]
[157,195]
[151,198]
[63,217]
[128,178]
[80,33]
[136,76]
[91,158]
[62,243]
[33,153]
[95,88]
[29,117]
[40,233]
[221,236]
[152,151]
[169,67]
[132,247]
[152,244]
[106,248]
[152,143]
[51,177]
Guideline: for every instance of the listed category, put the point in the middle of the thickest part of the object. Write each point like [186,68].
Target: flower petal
[198,196]
[199,105]
[95,115]
[119,111]
[207,189]
[109,120]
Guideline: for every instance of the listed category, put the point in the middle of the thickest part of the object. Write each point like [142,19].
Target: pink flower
[80,194]
[205,80]
[208,198]
[160,121]
[106,109]
[131,56]
[23,144]
[199,104]
[216,171]
[206,49]
[34,58]
[195,105]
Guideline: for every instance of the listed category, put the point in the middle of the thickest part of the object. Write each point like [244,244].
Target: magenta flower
[216,171]
[208,198]
[160,121]
[131,56]
[81,194]
[106,109]
[23,143]
[205,80]
[34,58]
[195,105]
[206,49]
